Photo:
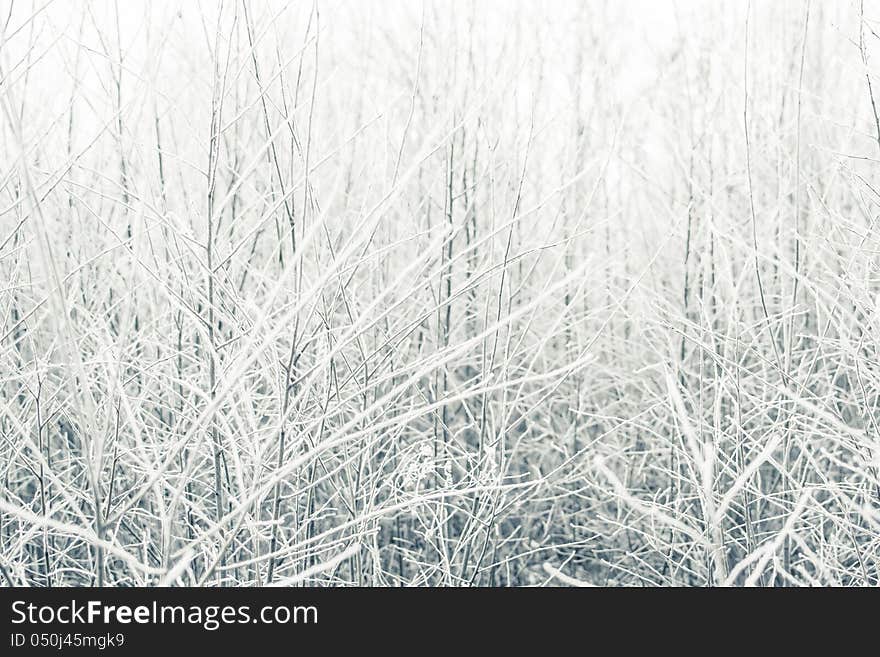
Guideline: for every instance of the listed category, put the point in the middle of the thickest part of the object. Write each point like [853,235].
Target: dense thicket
[483,293]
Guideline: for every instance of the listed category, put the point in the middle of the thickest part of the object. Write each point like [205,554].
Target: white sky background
[640,35]
[641,61]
